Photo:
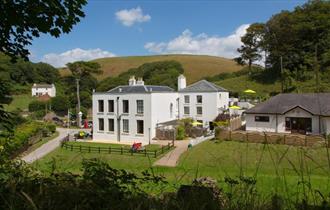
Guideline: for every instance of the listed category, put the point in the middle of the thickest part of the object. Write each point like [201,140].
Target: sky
[130,28]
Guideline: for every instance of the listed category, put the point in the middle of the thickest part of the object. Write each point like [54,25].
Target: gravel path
[49,146]
[172,157]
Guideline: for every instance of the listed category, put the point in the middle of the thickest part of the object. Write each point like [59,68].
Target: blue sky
[125,28]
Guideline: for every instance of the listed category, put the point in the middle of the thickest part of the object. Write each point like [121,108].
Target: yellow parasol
[196,123]
[249,91]
[235,107]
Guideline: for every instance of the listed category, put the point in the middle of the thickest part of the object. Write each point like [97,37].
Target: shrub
[180,133]
[51,127]
[60,103]
[36,106]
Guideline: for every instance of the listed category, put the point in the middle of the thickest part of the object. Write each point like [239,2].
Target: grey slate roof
[315,103]
[140,89]
[42,86]
[203,86]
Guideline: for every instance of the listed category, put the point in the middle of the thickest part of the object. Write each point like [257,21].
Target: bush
[60,104]
[180,133]
[51,127]
[37,105]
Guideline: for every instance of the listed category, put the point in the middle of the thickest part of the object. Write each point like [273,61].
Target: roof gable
[203,86]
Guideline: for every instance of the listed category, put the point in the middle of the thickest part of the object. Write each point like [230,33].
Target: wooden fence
[116,150]
[273,138]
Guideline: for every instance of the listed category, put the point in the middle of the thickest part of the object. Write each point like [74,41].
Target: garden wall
[273,138]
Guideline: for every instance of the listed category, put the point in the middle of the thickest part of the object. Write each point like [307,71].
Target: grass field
[20,102]
[195,66]
[276,167]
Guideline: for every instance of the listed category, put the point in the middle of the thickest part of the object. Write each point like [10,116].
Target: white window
[125,106]
[139,106]
[199,99]
[101,105]
[186,99]
[111,107]
[186,110]
[111,124]
[199,110]
[139,126]
[101,124]
[125,126]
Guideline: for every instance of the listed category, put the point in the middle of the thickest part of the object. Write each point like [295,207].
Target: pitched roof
[42,86]
[140,89]
[203,86]
[314,103]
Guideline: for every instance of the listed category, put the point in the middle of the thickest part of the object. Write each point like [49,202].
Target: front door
[300,125]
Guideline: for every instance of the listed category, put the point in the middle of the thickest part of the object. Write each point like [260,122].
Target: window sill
[125,114]
[110,132]
[199,115]
[139,114]
[139,134]
[186,115]
[100,113]
[110,113]
[125,134]
[100,131]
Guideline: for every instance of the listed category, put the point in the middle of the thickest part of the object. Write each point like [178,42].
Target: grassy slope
[219,160]
[20,102]
[195,66]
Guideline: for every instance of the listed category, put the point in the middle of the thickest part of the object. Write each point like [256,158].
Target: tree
[60,104]
[21,21]
[252,46]
[81,69]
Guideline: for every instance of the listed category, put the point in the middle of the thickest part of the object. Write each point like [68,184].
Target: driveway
[171,158]
[49,146]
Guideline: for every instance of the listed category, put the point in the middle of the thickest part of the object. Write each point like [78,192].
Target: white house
[291,113]
[201,101]
[43,89]
[131,113]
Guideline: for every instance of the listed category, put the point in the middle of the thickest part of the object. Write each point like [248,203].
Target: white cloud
[202,44]
[132,16]
[77,54]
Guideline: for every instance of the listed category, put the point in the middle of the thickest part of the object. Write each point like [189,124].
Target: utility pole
[78,107]
[281,66]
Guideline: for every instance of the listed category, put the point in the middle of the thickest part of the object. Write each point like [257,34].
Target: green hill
[195,66]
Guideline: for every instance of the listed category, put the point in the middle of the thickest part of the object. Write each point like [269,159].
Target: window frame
[184,110]
[261,118]
[138,108]
[99,124]
[186,97]
[137,127]
[123,103]
[197,108]
[99,106]
[124,129]
[199,97]
[113,125]
[113,105]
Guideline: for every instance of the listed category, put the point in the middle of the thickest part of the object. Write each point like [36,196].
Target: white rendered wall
[50,91]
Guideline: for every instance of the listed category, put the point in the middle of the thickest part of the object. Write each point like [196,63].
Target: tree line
[294,45]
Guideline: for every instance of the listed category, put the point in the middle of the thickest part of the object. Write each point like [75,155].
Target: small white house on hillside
[43,89]
[291,113]
[130,113]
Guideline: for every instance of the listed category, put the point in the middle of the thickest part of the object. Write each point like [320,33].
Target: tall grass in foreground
[100,186]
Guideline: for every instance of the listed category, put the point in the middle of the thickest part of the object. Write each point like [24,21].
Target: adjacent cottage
[291,113]
[130,113]
[43,89]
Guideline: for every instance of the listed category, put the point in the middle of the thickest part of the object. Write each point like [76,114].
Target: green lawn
[276,167]
[20,102]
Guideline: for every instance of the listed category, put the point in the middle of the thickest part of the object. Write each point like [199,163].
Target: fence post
[71,147]
[162,149]
[99,149]
[89,149]
[155,153]
[145,152]
[305,140]
[247,137]
[80,148]
[121,150]
[284,139]
[131,152]
[230,135]
[109,150]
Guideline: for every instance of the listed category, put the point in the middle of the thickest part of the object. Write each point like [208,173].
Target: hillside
[195,66]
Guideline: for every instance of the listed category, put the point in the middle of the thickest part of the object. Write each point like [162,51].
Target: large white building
[291,113]
[131,113]
[43,89]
